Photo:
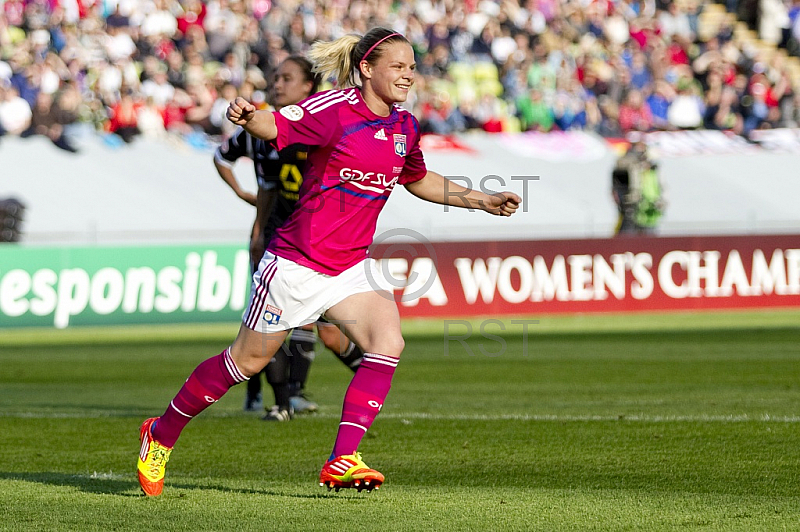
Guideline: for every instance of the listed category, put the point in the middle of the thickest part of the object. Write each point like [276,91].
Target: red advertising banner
[601,275]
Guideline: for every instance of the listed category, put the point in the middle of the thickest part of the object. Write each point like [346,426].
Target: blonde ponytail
[335,59]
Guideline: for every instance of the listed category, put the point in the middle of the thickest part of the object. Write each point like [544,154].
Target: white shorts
[286,295]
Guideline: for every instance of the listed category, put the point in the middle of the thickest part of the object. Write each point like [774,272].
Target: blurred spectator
[673,21]
[756,107]
[15,113]
[26,80]
[607,67]
[198,113]
[534,113]
[158,87]
[216,117]
[176,74]
[118,42]
[124,117]
[489,113]
[49,119]
[659,101]
[150,119]
[722,111]
[569,108]
[232,70]
[634,115]
[641,78]
[541,74]
[608,126]
[194,14]
[686,110]
[773,20]
[175,113]
[158,20]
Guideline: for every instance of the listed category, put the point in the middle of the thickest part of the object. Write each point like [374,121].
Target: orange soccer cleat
[349,471]
[153,458]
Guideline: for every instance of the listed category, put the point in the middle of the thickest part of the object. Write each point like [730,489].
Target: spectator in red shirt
[633,114]
[194,14]
[123,119]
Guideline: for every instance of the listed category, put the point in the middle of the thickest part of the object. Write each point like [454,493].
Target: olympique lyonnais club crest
[400,145]
[272,315]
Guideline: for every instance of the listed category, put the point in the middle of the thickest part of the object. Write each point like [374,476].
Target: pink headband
[377,44]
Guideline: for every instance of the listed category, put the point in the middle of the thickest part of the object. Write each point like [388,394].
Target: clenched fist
[240,111]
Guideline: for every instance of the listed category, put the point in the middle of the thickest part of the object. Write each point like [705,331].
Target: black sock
[351,356]
[254,387]
[277,372]
[301,347]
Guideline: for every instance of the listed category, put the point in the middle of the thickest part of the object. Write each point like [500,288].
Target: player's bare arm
[260,124]
[228,176]
[438,189]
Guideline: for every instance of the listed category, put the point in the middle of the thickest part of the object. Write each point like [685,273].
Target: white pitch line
[408,416]
[582,418]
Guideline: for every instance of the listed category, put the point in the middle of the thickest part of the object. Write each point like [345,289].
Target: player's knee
[250,366]
[400,344]
[392,346]
[250,359]
[247,367]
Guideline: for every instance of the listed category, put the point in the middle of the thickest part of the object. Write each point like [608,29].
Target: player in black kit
[279,176]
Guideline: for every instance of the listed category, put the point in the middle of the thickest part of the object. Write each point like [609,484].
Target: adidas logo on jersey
[381,135]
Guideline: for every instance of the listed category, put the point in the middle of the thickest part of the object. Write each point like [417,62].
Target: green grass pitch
[659,422]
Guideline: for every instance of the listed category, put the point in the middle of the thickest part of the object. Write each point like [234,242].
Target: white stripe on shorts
[260,295]
[262,290]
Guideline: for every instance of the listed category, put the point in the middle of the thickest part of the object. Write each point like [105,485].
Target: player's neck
[375,103]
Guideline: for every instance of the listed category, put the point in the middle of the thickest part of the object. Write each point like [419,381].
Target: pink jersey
[355,159]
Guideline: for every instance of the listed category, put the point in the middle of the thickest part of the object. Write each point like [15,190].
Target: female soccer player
[361,146]
[279,175]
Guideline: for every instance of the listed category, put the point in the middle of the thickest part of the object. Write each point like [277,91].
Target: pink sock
[363,400]
[204,387]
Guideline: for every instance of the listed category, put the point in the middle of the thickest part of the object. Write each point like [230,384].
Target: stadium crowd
[151,67]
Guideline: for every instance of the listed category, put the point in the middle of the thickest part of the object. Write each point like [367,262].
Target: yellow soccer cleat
[153,458]
[349,471]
